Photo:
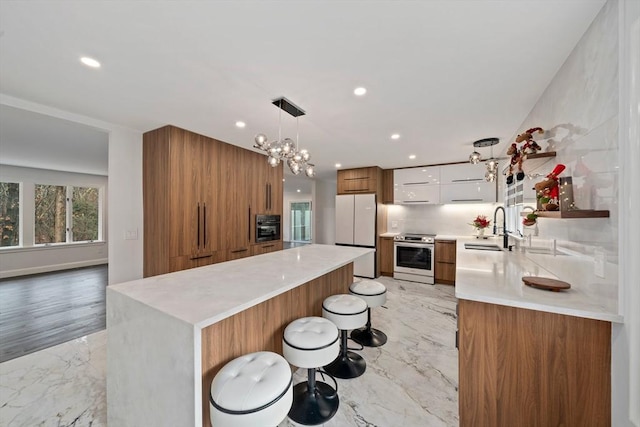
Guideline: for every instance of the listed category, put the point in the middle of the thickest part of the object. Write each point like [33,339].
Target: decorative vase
[480,232]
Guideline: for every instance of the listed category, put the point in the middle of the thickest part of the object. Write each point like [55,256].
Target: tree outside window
[9,214]
[65,214]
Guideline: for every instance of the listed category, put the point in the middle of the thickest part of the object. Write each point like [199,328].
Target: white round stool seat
[253,390]
[310,342]
[374,293]
[346,311]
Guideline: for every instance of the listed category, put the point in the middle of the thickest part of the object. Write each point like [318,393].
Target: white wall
[29,259]
[124,193]
[325,212]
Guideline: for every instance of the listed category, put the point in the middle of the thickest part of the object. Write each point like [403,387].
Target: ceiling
[439,73]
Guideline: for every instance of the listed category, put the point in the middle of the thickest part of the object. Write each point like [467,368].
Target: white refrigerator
[356,226]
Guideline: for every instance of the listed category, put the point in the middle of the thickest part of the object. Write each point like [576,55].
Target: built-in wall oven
[267,228]
[413,258]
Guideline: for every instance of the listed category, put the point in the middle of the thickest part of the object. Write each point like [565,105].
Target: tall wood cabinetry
[199,196]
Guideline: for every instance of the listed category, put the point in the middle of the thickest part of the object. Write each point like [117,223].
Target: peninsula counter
[168,335]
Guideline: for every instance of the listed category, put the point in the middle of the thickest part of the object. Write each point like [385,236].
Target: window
[9,213]
[85,214]
[300,221]
[66,214]
[51,214]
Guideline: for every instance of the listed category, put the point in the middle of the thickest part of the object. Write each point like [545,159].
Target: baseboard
[50,268]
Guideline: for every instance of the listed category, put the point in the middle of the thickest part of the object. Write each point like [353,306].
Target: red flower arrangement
[481,221]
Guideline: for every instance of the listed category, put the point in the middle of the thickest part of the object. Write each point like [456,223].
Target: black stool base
[369,337]
[313,407]
[350,365]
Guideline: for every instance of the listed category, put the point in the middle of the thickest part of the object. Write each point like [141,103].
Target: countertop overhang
[205,295]
[496,278]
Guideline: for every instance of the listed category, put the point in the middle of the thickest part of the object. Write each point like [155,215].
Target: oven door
[267,228]
[413,258]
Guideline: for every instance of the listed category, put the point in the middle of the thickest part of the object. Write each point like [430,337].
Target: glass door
[300,221]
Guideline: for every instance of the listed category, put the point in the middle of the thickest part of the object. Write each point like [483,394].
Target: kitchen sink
[481,247]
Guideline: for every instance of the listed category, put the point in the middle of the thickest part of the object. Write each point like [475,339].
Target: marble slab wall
[579,112]
[437,219]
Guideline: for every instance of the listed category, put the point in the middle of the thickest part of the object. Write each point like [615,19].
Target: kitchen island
[528,356]
[168,335]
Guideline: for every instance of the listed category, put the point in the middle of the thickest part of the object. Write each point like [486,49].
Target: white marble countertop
[203,296]
[496,277]
[389,234]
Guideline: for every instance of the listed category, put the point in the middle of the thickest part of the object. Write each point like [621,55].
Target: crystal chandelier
[286,150]
[491,164]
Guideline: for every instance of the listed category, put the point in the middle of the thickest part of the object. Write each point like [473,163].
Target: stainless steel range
[413,257]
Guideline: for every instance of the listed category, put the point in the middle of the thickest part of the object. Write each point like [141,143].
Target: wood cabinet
[266,247]
[387,186]
[386,256]
[520,367]
[200,198]
[360,180]
[445,262]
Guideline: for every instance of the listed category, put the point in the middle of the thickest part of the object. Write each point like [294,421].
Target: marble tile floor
[410,381]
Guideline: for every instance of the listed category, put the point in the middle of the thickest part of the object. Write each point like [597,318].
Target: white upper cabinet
[417,176]
[469,192]
[459,183]
[416,185]
[462,173]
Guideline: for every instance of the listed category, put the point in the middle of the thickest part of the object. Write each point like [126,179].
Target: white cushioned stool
[253,390]
[347,312]
[309,343]
[375,294]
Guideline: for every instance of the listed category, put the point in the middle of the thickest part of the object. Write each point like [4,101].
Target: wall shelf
[532,162]
[570,214]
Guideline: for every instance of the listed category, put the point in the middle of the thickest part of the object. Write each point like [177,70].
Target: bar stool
[346,312]
[253,390]
[309,343]
[375,294]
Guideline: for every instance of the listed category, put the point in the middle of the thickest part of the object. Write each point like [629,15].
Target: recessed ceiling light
[298,190]
[240,124]
[283,180]
[360,91]
[90,62]
[412,156]
[395,136]
[338,165]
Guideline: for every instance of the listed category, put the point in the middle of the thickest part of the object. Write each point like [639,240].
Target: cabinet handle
[353,179]
[249,227]
[200,257]
[269,197]
[267,246]
[204,224]
[467,180]
[466,200]
[415,201]
[239,250]
[357,191]
[416,183]
[198,238]
[456,339]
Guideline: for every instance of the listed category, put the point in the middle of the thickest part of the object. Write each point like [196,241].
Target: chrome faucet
[505,237]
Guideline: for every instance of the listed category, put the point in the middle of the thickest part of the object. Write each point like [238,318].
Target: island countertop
[205,295]
[496,277]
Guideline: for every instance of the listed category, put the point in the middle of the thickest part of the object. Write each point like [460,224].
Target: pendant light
[286,150]
[491,163]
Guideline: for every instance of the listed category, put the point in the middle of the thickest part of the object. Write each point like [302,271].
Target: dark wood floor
[44,310]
